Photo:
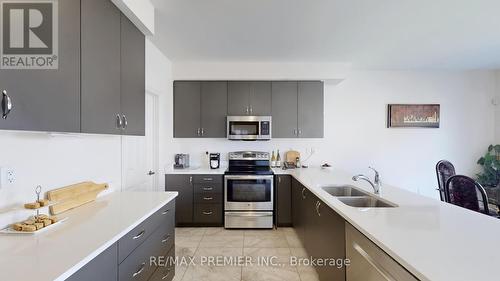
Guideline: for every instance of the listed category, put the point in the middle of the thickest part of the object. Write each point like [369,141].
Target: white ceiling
[402,34]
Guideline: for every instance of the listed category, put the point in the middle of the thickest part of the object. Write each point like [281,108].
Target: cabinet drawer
[164,216]
[207,178]
[207,187]
[137,265]
[208,213]
[208,198]
[165,272]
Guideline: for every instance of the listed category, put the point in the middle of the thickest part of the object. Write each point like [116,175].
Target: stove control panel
[248,155]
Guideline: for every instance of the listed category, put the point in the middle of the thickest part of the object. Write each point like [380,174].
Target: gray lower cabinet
[200,109]
[369,262]
[183,184]
[299,194]
[200,200]
[283,200]
[249,98]
[104,267]
[284,109]
[165,272]
[310,109]
[48,100]
[101,69]
[133,71]
[135,256]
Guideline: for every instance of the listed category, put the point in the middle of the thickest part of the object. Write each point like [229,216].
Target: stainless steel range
[248,190]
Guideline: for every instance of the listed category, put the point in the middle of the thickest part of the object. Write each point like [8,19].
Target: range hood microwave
[249,128]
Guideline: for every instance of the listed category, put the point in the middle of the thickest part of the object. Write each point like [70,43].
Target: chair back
[444,171]
[466,192]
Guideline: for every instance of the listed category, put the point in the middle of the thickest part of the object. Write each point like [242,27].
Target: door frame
[155,136]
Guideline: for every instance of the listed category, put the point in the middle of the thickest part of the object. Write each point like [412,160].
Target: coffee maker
[214,160]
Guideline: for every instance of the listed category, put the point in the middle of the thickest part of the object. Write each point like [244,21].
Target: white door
[140,154]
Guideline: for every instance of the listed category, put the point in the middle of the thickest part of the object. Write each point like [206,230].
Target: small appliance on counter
[181,161]
[214,160]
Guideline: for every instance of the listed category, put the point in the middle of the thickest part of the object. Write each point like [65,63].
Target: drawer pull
[208,198]
[165,239]
[166,275]
[143,265]
[208,179]
[207,213]
[208,188]
[165,212]
[139,235]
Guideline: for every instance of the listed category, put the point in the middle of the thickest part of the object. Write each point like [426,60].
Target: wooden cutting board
[72,196]
[292,155]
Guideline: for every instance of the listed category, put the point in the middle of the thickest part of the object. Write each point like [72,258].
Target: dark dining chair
[444,171]
[467,193]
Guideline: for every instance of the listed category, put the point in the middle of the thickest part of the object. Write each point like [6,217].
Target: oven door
[248,192]
[243,129]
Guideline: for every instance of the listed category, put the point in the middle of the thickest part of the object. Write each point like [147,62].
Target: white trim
[156,138]
[141,13]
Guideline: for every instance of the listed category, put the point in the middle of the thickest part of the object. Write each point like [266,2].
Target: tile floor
[202,243]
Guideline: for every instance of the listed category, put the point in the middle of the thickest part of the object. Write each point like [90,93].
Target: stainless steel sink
[343,190]
[366,202]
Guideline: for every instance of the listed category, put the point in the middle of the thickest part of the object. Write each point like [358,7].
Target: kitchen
[326,97]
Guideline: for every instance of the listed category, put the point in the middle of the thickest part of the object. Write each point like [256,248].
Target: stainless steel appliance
[181,161]
[248,191]
[214,160]
[249,127]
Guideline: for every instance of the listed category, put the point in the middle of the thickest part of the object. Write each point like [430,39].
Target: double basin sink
[355,197]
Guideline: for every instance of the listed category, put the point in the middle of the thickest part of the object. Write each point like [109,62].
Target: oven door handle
[248,214]
[249,177]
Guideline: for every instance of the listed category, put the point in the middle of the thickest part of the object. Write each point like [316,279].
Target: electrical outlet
[7,177]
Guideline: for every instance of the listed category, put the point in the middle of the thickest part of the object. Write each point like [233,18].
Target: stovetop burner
[249,163]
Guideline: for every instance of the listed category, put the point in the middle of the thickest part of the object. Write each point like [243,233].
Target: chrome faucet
[377,184]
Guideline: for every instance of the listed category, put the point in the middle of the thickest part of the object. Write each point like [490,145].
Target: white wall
[355,125]
[57,160]
[497,113]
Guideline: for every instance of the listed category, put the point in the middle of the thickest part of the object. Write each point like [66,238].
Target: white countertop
[196,171]
[431,239]
[90,229]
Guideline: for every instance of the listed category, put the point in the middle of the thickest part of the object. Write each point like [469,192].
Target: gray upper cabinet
[200,109]
[213,109]
[249,98]
[101,70]
[310,109]
[284,109]
[48,100]
[187,105]
[132,78]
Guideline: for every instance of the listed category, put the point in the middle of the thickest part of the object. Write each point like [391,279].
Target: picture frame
[413,115]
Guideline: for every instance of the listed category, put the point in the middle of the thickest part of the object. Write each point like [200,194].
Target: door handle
[119,122]
[125,122]
[150,173]
[6,104]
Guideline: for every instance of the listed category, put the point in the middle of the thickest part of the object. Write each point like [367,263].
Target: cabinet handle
[295,132]
[208,179]
[303,193]
[119,122]
[300,132]
[139,235]
[207,213]
[190,179]
[165,239]
[279,179]
[168,270]
[143,265]
[202,131]
[6,104]
[248,110]
[125,122]
[208,198]
[318,204]
[208,188]
[165,212]
[251,110]
[198,132]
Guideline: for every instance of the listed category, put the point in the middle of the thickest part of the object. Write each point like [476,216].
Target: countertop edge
[113,240]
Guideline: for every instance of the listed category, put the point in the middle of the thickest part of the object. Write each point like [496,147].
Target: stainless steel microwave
[249,127]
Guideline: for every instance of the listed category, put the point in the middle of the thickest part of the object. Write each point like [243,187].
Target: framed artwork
[413,115]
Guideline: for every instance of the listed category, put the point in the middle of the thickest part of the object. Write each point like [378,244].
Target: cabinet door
[298,208]
[284,200]
[310,109]
[100,85]
[213,109]
[187,106]
[238,98]
[326,238]
[184,202]
[260,98]
[284,109]
[132,77]
[48,100]
[104,267]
